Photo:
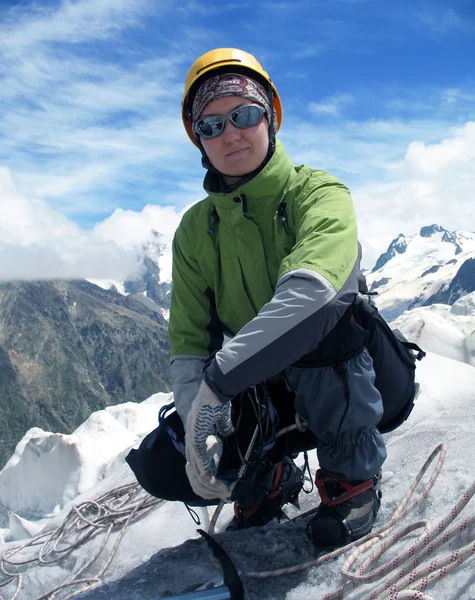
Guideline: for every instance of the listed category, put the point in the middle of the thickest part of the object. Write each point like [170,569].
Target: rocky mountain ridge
[68,348]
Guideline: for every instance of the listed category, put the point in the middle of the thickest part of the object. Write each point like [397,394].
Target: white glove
[207,417]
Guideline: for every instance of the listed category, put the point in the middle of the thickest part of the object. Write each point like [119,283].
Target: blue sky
[381,94]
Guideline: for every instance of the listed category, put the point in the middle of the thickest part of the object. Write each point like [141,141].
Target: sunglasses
[242,117]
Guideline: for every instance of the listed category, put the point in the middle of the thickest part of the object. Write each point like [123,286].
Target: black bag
[394,361]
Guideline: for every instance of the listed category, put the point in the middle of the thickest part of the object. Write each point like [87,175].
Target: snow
[107,284]
[159,553]
[445,330]
[466,239]
[78,461]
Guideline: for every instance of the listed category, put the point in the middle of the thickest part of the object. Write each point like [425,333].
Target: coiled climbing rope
[115,509]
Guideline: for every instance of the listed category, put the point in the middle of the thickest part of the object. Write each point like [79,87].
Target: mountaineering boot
[347,511]
[284,482]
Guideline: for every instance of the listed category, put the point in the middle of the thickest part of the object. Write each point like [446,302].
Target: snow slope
[154,559]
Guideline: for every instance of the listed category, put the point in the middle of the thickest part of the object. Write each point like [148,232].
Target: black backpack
[394,361]
[394,358]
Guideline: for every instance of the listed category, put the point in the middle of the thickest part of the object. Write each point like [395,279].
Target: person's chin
[238,170]
[237,173]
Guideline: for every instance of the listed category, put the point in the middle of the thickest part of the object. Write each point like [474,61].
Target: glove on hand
[207,417]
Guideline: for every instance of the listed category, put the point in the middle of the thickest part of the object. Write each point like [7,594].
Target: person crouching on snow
[265,271]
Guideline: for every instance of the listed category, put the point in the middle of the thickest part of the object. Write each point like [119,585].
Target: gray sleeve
[187,376]
[304,308]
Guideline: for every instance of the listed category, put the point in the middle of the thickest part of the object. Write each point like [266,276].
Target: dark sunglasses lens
[246,116]
[209,128]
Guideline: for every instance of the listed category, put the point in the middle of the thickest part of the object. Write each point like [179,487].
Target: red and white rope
[408,575]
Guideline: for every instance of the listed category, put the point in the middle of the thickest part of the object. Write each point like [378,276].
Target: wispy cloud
[332,105]
[72,22]
[358,151]
[443,20]
[90,121]
[284,6]
[93,120]
[307,51]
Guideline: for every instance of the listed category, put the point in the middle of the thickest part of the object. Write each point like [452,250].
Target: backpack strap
[415,348]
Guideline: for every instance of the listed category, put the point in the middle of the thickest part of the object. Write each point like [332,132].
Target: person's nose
[231,133]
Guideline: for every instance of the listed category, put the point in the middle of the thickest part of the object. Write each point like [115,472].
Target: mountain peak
[430,230]
[460,240]
[397,246]
[450,238]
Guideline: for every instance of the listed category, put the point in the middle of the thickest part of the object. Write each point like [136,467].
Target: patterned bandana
[230,84]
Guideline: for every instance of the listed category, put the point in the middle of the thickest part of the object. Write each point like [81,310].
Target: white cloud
[38,242]
[403,174]
[357,150]
[90,121]
[431,159]
[304,50]
[128,228]
[324,108]
[450,95]
[435,183]
[72,22]
[332,105]
[28,220]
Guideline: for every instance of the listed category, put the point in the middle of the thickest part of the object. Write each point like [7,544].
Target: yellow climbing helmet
[233,60]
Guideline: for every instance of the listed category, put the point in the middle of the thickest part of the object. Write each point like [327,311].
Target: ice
[445,330]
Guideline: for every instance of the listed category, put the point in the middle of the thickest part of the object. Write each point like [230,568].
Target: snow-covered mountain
[433,266]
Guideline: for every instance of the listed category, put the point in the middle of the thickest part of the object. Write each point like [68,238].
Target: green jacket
[256,264]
